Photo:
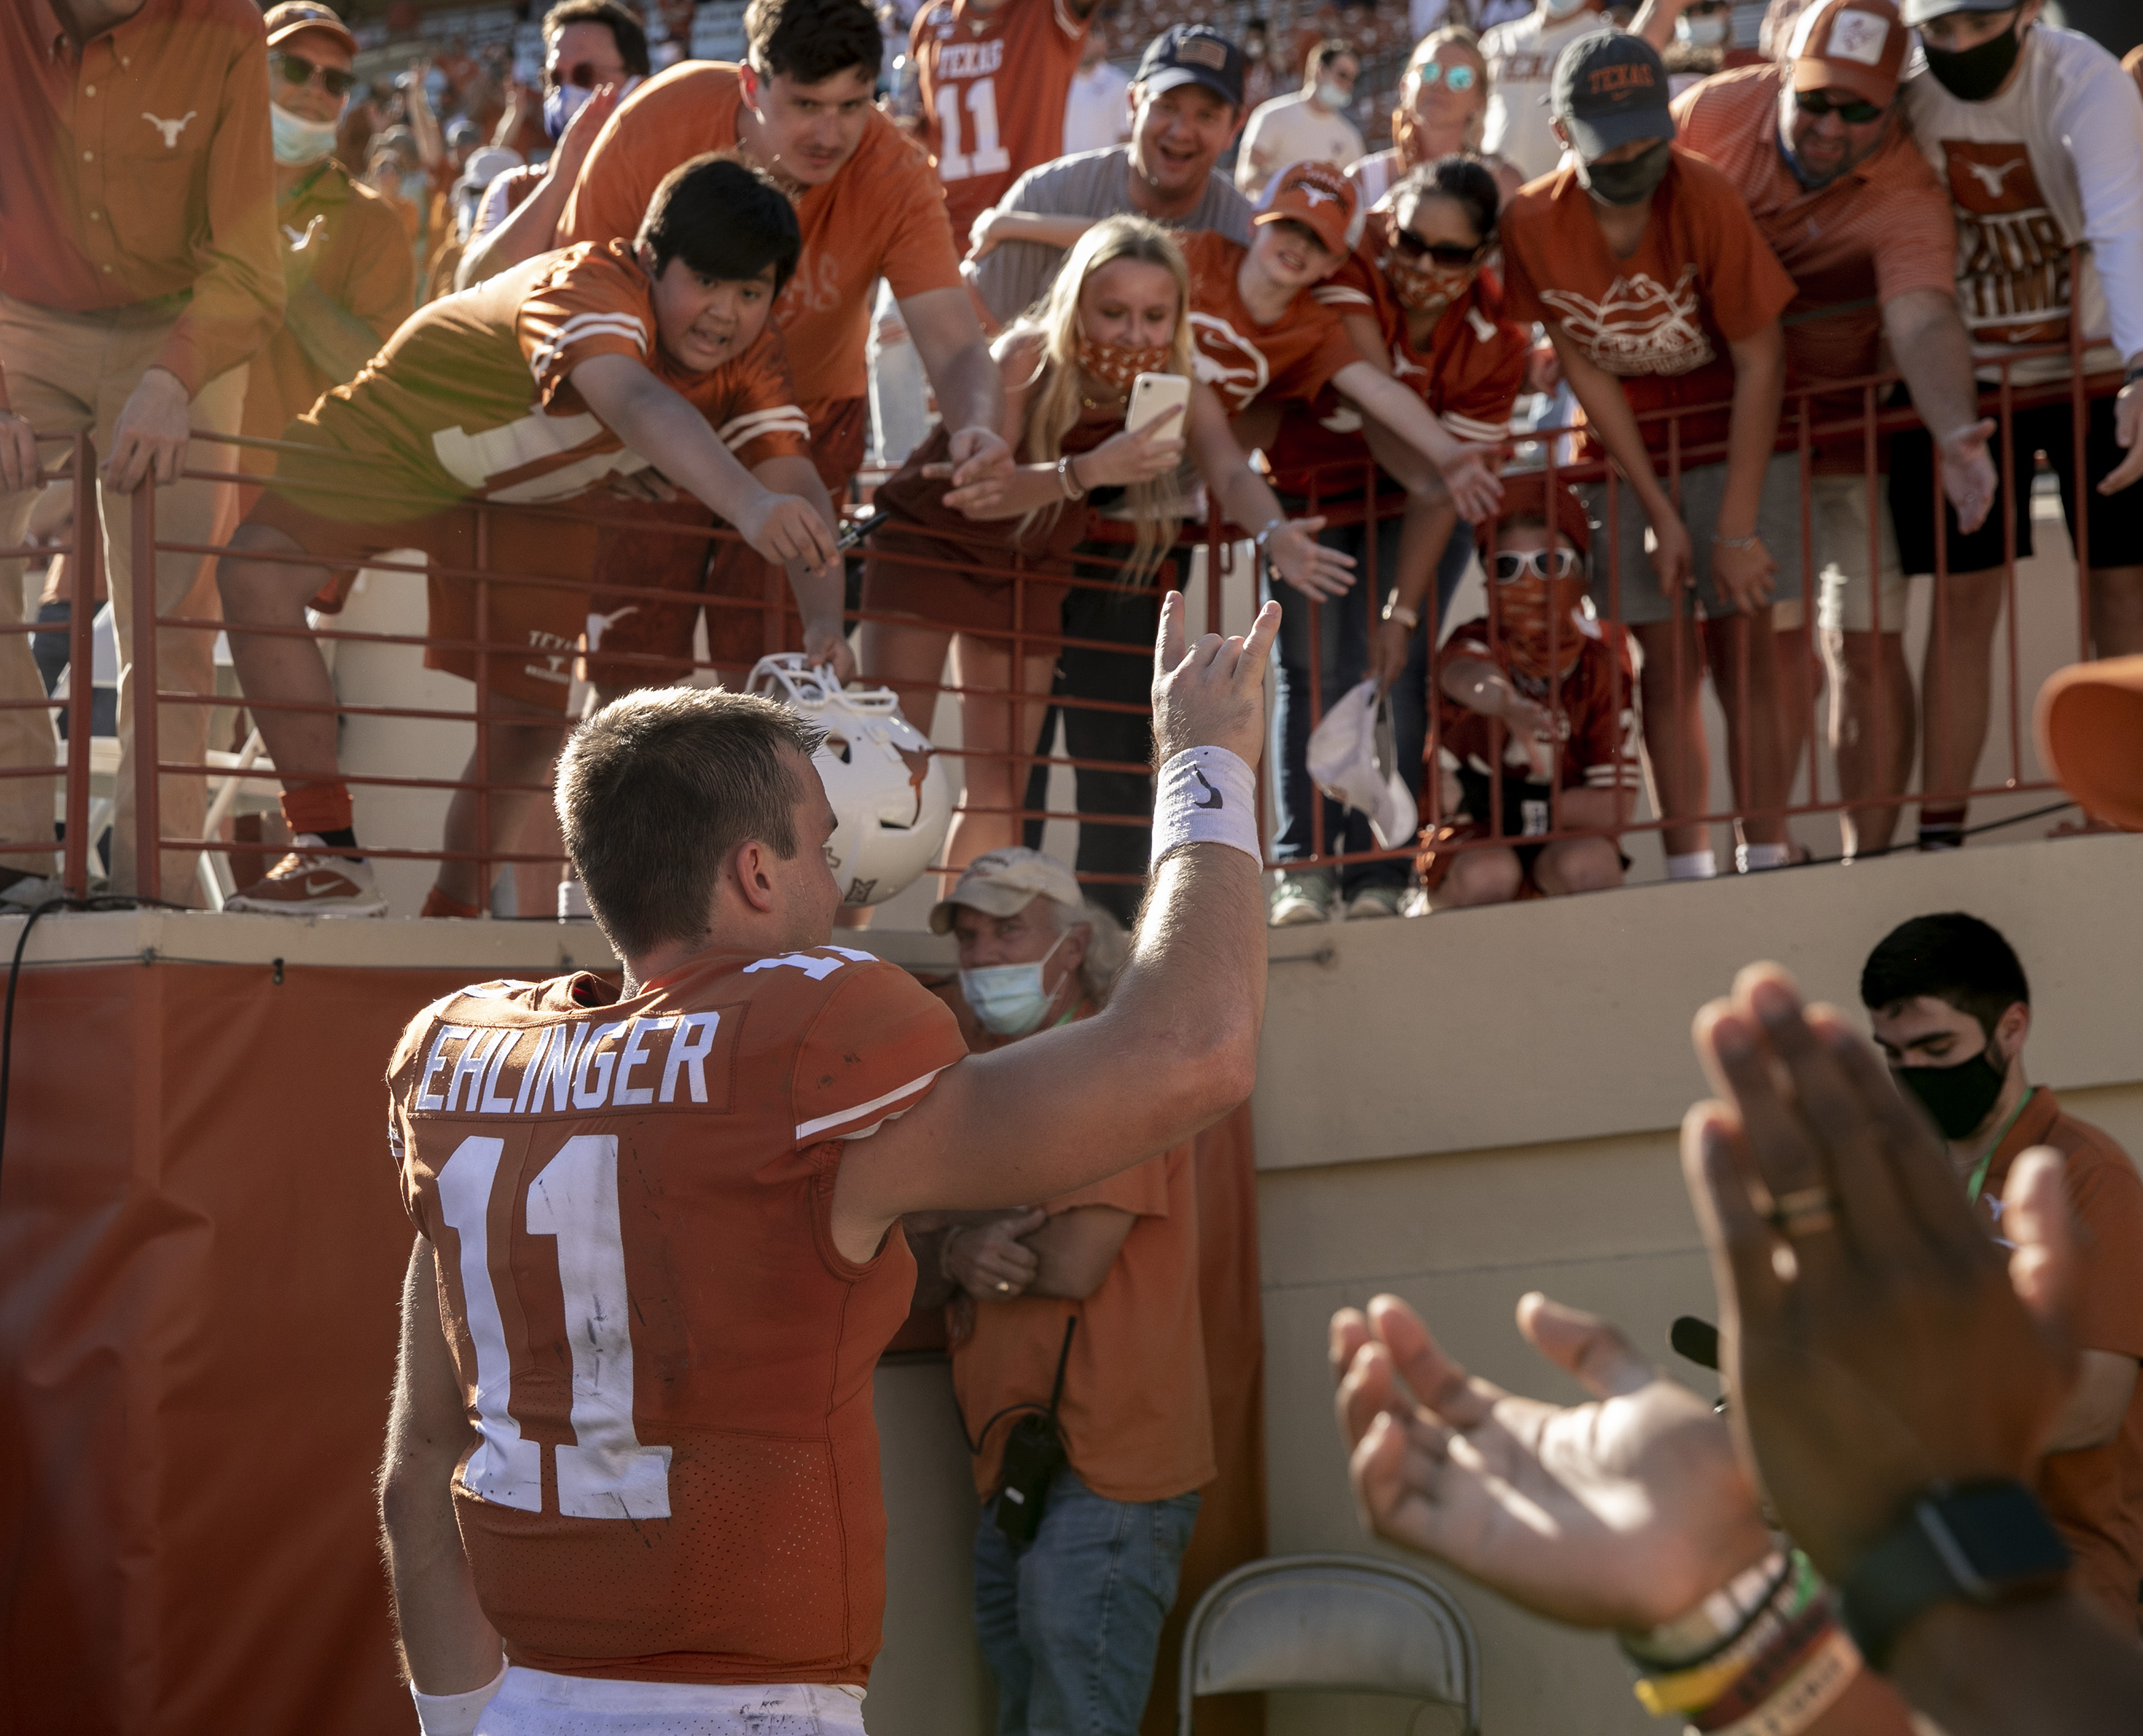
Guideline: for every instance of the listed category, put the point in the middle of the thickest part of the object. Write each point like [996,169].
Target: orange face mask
[1524,607]
[1119,365]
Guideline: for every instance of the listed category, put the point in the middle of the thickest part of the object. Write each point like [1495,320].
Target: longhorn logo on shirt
[1215,338]
[1639,326]
[2012,257]
[169,129]
[300,239]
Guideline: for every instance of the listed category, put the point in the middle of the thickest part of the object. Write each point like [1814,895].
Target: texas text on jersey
[667,1361]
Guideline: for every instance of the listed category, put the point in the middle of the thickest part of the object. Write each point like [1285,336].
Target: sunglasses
[583,75]
[298,72]
[1857,114]
[1540,563]
[1436,252]
[1458,80]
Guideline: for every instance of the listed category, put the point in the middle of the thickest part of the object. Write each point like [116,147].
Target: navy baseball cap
[1610,87]
[1193,54]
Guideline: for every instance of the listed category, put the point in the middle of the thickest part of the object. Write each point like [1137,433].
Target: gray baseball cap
[1610,88]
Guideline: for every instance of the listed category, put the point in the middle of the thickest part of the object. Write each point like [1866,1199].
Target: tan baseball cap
[294,16]
[2090,727]
[1854,45]
[1002,882]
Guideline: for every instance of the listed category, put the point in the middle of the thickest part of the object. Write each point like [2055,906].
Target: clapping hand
[1623,1512]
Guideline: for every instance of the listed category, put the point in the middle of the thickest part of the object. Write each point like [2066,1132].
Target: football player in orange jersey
[574,370]
[658,1254]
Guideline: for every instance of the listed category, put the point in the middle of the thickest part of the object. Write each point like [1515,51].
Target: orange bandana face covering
[1419,289]
[1118,366]
[1524,607]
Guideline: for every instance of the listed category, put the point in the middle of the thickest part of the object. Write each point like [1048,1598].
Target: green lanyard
[1979,1175]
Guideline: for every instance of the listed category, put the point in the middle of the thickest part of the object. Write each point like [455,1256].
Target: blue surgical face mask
[1009,1000]
[297,140]
[562,102]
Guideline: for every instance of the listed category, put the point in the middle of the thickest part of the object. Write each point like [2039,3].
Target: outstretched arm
[1467,470]
[1173,1050]
[663,429]
[1933,350]
[821,592]
[948,337]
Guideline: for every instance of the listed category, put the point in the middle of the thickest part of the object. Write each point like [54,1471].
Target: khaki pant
[68,372]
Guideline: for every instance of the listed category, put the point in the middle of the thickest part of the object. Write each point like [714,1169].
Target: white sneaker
[1299,898]
[313,881]
[1375,901]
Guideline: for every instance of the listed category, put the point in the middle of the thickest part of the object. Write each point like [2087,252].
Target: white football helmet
[891,800]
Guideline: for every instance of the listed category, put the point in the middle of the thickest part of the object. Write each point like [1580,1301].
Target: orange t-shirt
[667,1360]
[882,215]
[2094,1495]
[341,238]
[1469,375]
[473,398]
[1294,358]
[1702,276]
[993,90]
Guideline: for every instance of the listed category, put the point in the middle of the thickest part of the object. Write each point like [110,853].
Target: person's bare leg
[1578,864]
[523,741]
[1873,723]
[1680,761]
[2116,611]
[1956,687]
[910,659]
[1801,678]
[280,669]
[997,736]
[536,884]
[1743,651]
[1490,875]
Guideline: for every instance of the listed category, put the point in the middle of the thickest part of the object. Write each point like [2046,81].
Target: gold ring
[1804,1212]
[1003,1286]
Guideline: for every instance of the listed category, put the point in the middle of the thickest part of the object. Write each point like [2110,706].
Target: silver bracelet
[1264,537]
[1736,542]
[1068,482]
[1394,610]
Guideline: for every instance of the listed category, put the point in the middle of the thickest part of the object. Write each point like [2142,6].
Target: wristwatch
[1984,1543]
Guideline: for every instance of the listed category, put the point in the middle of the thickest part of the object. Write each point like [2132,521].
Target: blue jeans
[1343,648]
[1070,1623]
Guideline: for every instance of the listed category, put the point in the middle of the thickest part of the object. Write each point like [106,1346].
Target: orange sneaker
[313,881]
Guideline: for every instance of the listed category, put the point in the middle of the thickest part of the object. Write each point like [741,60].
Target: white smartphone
[1155,398]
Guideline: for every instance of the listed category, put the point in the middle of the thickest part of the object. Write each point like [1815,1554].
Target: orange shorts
[531,631]
[648,644]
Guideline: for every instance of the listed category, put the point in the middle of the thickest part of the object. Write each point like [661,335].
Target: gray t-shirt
[1093,184]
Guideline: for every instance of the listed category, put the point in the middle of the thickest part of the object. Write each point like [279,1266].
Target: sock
[1753,858]
[321,809]
[341,838]
[1696,865]
[437,904]
[1941,828]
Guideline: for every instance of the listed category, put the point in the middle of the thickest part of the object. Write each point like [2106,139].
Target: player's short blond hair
[658,789]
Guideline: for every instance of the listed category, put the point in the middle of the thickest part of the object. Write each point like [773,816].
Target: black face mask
[1977,73]
[1630,183]
[1959,1097]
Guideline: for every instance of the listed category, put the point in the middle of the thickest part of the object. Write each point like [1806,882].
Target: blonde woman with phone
[1071,366]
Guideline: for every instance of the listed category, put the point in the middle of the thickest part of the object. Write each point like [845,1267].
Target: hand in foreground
[1672,555]
[579,136]
[988,1260]
[1211,694]
[978,451]
[1625,1512]
[1469,474]
[1126,458]
[1307,564]
[150,437]
[826,643]
[1968,475]
[1389,643]
[18,454]
[1743,576]
[784,527]
[1870,1335]
[2128,434]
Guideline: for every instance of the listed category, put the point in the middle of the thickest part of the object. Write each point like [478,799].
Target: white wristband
[454,1714]
[1206,795]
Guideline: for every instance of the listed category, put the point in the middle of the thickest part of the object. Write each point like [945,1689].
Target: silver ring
[1804,1212]
[1003,1287]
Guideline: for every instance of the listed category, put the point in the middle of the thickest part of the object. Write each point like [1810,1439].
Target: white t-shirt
[2054,160]
[1520,59]
[1293,129]
[1096,114]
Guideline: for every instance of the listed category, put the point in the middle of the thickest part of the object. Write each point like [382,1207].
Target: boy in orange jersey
[799,107]
[658,1254]
[661,345]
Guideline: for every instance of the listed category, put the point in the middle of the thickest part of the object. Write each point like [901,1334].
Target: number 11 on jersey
[988,157]
[606,1473]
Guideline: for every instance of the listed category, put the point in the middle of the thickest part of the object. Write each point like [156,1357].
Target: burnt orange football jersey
[993,87]
[473,398]
[1294,357]
[667,1361]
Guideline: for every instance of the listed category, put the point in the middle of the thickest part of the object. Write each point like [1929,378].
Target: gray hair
[1108,945]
